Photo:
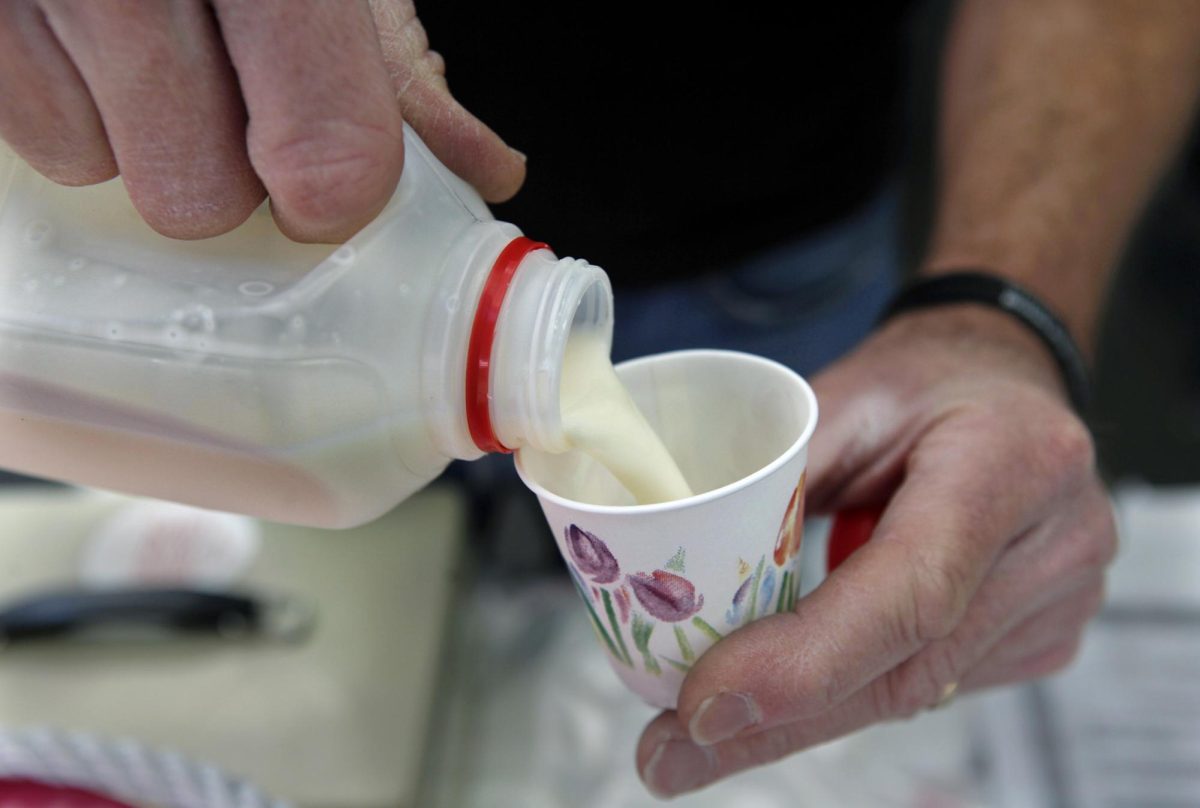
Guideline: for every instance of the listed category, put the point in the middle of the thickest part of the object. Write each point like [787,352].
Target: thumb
[909,586]
[460,140]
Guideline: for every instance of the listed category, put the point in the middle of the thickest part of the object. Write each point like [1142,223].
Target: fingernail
[722,716]
[521,154]
[678,766]
[667,732]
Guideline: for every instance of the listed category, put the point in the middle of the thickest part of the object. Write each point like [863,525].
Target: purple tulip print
[667,596]
[592,556]
[625,608]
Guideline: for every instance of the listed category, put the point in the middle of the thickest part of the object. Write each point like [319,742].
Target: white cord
[123,769]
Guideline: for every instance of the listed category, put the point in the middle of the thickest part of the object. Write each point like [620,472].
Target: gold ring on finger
[947,696]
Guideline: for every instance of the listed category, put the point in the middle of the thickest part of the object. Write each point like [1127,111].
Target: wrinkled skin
[205,109]
[987,562]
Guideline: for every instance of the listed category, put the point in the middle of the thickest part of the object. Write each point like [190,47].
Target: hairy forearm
[1056,119]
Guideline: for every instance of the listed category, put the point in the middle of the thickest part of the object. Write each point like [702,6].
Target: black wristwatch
[999,293]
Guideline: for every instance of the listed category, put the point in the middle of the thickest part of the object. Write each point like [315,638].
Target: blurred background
[439,658]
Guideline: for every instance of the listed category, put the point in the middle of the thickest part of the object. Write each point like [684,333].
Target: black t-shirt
[660,149]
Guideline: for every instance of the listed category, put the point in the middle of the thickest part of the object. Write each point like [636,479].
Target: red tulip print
[792,530]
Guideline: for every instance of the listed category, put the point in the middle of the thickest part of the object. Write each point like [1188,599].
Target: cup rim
[717,493]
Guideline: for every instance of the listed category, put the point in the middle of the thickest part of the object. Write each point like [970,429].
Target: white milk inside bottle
[314,384]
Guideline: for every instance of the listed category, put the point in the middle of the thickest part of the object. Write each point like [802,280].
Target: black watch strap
[998,293]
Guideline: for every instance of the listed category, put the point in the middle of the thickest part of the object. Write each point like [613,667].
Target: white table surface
[537,719]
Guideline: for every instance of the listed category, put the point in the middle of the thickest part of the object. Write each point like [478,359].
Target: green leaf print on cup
[642,629]
[616,628]
[596,624]
[685,647]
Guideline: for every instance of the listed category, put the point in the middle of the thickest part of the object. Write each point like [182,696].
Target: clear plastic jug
[312,384]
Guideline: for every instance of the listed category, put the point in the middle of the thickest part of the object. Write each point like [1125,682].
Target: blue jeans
[803,304]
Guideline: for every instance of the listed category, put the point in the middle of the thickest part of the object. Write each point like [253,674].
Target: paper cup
[663,582]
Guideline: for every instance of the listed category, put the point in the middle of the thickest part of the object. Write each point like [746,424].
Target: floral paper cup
[663,582]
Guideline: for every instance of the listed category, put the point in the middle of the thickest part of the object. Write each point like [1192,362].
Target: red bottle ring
[483,335]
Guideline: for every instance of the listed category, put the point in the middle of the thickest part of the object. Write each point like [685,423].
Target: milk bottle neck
[529,305]
[549,300]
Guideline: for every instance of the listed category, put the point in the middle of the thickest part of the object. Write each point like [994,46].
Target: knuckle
[1067,446]
[884,697]
[918,683]
[939,594]
[330,170]
[901,695]
[436,63]
[1098,547]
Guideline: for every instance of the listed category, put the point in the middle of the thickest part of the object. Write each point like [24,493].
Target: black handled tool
[63,614]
